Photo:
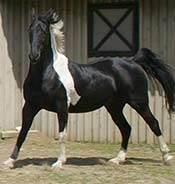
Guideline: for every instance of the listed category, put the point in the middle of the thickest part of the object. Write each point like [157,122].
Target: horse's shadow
[88,161]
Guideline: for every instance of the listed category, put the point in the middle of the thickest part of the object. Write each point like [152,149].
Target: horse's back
[106,80]
[130,79]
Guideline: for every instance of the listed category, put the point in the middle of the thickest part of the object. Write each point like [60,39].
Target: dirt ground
[87,164]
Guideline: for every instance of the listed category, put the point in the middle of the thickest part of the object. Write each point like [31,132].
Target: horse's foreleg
[62,118]
[28,114]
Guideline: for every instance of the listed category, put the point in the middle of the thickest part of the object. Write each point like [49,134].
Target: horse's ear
[49,12]
[52,16]
[33,13]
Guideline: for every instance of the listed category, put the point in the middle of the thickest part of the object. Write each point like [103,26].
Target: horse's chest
[58,82]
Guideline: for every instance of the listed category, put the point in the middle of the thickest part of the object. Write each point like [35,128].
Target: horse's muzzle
[34,58]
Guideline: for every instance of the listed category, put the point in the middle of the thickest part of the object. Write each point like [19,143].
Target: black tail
[155,68]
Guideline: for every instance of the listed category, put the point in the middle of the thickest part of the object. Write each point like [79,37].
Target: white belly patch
[61,67]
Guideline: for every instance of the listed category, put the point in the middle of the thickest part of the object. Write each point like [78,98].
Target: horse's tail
[155,68]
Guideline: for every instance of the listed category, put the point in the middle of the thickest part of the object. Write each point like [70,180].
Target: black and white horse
[56,84]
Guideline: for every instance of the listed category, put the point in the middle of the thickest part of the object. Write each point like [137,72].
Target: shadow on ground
[88,161]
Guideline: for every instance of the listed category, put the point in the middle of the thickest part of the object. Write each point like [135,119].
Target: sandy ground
[86,164]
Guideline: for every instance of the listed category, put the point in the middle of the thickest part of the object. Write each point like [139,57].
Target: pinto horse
[56,84]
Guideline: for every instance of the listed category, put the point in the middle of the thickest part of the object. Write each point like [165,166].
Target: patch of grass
[87,164]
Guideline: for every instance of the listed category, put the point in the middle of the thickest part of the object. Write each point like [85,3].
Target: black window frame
[135,37]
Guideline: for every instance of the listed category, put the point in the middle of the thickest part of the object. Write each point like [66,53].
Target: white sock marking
[9,163]
[163,145]
[62,156]
[165,151]
[62,139]
[121,157]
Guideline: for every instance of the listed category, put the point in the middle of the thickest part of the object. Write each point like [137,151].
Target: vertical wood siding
[157,28]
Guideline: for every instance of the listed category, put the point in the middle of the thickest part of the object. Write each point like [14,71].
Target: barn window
[113,29]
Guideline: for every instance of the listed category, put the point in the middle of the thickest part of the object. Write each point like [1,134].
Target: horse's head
[39,34]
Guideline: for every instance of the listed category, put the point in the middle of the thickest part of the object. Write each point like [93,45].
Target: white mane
[58,35]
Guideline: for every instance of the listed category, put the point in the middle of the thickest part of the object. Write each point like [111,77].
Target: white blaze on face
[60,64]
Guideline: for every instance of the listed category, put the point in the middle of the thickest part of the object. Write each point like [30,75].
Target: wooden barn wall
[157,27]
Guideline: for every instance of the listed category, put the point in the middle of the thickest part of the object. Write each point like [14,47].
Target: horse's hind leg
[116,113]
[144,110]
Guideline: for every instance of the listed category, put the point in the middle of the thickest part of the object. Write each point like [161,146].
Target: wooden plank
[88,127]
[163,25]
[111,129]
[16,62]
[54,125]
[95,129]
[80,127]
[9,86]
[145,27]
[44,122]
[103,125]
[154,26]
[3,46]
[141,130]
[35,123]
[172,129]
[50,126]
[135,127]
[83,14]
[73,127]
[117,135]
[76,32]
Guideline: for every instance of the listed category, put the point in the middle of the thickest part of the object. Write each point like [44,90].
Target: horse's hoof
[9,163]
[57,165]
[116,161]
[167,159]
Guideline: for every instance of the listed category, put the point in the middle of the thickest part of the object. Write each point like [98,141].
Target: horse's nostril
[37,57]
[34,57]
